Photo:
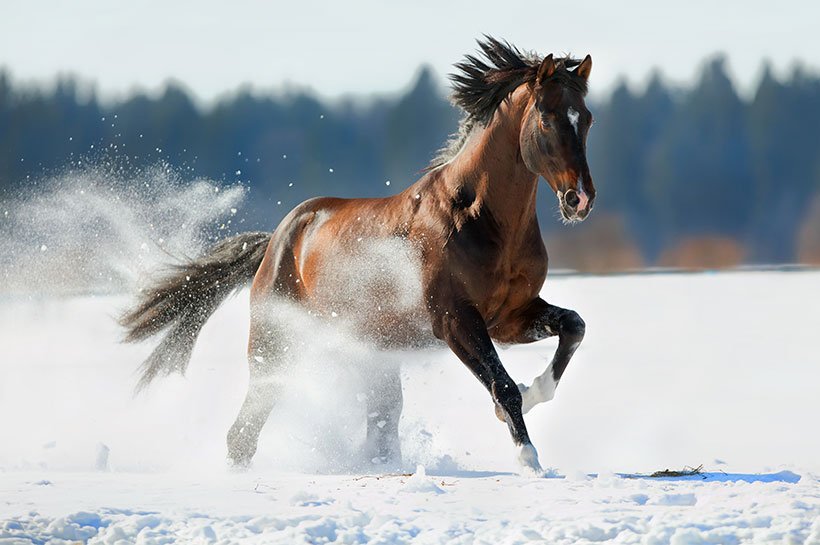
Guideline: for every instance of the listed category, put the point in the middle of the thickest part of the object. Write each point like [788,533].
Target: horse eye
[546,121]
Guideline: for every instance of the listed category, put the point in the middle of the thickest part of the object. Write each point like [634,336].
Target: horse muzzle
[574,205]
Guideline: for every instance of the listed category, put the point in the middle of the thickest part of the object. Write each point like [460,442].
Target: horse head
[554,134]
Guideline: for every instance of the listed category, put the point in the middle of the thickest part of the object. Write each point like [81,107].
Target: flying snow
[101,228]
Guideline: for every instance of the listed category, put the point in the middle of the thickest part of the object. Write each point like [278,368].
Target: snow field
[713,369]
[501,508]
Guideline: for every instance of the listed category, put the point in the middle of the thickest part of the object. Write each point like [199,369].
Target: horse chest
[499,282]
[510,289]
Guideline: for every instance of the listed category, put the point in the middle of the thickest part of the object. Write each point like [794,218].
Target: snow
[459,508]
[675,370]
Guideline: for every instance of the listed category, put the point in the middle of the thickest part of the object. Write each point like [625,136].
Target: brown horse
[456,257]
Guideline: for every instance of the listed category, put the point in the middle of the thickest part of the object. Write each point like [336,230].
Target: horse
[458,256]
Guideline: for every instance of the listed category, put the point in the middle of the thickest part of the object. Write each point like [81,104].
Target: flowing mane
[485,80]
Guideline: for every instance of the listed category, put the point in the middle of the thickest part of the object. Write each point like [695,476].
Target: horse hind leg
[244,434]
[276,280]
[264,361]
[384,405]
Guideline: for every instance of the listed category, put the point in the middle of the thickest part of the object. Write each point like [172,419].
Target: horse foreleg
[384,406]
[537,321]
[462,327]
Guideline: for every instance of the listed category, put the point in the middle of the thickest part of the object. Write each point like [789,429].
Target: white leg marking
[541,391]
[528,459]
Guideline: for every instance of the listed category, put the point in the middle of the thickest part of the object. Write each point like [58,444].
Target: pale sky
[364,47]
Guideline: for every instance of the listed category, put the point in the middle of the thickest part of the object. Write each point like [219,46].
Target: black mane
[485,80]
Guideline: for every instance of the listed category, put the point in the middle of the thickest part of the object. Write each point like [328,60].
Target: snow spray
[101,227]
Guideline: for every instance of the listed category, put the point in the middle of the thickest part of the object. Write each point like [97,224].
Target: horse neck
[490,165]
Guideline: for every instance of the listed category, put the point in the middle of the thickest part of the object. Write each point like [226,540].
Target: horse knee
[573,326]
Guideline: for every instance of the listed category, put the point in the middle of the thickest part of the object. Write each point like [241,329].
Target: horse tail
[183,300]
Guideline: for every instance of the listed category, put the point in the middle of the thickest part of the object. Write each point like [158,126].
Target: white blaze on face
[583,199]
[573,116]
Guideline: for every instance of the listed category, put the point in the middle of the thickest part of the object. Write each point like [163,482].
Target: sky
[365,47]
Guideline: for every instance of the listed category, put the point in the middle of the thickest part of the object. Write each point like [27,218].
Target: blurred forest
[686,177]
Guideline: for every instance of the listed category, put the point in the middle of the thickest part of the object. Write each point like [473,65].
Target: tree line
[671,164]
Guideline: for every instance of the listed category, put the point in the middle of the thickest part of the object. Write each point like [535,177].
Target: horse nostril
[571,198]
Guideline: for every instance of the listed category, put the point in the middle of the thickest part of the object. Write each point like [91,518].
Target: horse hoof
[238,465]
[528,460]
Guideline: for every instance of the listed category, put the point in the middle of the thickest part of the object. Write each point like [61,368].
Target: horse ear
[585,67]
[546,70]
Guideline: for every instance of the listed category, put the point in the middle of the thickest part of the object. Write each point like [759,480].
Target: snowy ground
[713,369]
